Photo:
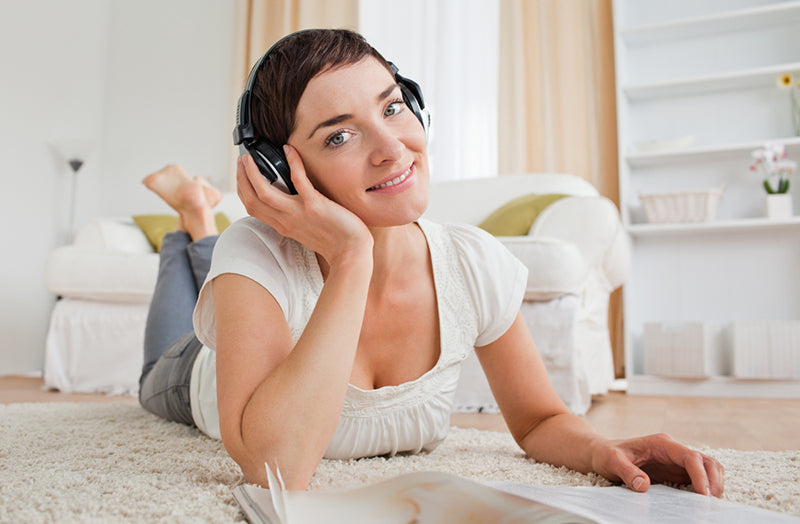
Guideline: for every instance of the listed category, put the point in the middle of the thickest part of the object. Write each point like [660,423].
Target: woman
[334,320]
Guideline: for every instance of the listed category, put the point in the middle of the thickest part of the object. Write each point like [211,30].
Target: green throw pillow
[155,227]
[517,216]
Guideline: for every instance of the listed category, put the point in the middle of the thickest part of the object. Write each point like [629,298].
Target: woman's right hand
[308,217]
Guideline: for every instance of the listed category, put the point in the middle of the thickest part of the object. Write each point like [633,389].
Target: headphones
[268,157]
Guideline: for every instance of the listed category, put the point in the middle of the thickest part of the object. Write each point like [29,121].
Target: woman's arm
[281,404]
[548,432]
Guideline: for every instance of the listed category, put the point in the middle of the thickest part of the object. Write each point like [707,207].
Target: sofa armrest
[593,225]
[555,267]
[617,259]
[100,274]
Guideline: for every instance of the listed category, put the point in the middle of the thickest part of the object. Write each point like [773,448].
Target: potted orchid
[771,163]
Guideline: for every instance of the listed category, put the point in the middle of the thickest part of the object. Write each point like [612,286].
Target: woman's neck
[395,251]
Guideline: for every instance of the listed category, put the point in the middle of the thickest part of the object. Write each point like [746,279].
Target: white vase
[778,206]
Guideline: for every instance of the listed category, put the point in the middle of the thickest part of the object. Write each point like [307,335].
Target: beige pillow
[516,217]
[155,227]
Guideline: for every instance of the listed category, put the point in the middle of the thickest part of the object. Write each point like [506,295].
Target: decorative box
[766,349]
[691,350]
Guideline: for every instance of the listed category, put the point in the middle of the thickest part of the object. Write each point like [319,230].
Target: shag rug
[114,462]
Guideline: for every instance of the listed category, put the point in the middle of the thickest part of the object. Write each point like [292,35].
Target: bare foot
[213,195]
[193,199]
[173,185]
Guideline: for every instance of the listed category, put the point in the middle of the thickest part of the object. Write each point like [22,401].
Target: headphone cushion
[271,162]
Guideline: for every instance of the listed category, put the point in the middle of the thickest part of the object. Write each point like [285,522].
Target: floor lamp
[72,152]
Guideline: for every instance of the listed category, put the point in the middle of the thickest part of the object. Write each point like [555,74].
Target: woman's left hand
[638,462]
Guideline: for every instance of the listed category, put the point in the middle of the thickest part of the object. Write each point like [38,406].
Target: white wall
[148,82]
[168,96]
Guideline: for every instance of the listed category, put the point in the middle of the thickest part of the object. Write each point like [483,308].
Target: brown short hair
[288,68]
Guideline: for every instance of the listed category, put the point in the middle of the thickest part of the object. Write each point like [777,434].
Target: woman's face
[361,145]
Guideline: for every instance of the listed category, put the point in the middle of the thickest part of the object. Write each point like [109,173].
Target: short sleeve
[495,279]
[248,248]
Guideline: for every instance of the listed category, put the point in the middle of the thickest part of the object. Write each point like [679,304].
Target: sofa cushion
[112,234]
[555,267]
[516,217]
[155,227]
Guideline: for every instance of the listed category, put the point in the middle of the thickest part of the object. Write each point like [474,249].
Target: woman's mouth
[396,180]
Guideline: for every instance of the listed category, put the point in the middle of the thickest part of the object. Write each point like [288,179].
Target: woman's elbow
[253,469]
[254,451]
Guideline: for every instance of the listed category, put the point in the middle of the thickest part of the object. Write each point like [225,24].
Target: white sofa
[576,252]
[104,281]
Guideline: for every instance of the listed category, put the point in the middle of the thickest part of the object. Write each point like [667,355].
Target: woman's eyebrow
[331,122]
[341,118]
[386,92]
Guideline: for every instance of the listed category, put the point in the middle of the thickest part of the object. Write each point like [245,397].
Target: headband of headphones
[269,157]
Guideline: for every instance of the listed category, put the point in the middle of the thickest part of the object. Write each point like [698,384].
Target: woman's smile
[396,183]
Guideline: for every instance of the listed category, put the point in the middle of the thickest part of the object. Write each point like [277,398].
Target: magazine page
[425,497]
[256,504]
[660,504]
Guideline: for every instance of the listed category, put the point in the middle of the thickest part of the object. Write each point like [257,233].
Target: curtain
[260,23]
[557,107]
[451,48]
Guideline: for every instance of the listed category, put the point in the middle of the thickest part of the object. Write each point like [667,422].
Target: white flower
[769,162]
[786,166]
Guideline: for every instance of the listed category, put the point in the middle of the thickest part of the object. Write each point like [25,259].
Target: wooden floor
[745,424]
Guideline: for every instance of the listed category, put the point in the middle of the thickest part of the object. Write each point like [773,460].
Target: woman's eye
[338,138]
[393,108]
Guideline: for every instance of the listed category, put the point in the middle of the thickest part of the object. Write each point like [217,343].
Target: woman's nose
[387,145]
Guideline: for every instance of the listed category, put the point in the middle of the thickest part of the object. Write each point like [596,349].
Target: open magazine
[424,497]
[434,497]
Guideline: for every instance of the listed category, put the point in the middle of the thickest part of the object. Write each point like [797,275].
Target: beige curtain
[260,23]
[558,100]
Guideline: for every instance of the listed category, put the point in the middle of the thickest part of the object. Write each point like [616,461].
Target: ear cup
[412,96]
[272,163]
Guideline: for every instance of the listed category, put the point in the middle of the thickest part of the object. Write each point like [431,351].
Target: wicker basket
[686,206]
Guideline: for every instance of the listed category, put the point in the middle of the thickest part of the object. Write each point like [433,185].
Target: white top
[479,289]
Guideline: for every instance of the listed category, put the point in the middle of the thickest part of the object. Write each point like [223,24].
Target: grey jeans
[170,346]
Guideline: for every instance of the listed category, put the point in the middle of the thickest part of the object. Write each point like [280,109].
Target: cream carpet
[113,462]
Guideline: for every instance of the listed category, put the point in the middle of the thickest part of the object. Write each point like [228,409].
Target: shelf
[712,76]
[715,226]
[744,19]
[713,387]
[703,153]
[743,79]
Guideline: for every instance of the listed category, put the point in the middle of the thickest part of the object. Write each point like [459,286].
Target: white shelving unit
[702,75]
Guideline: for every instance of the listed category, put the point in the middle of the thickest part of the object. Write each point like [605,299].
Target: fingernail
[637,483]
[285,149]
